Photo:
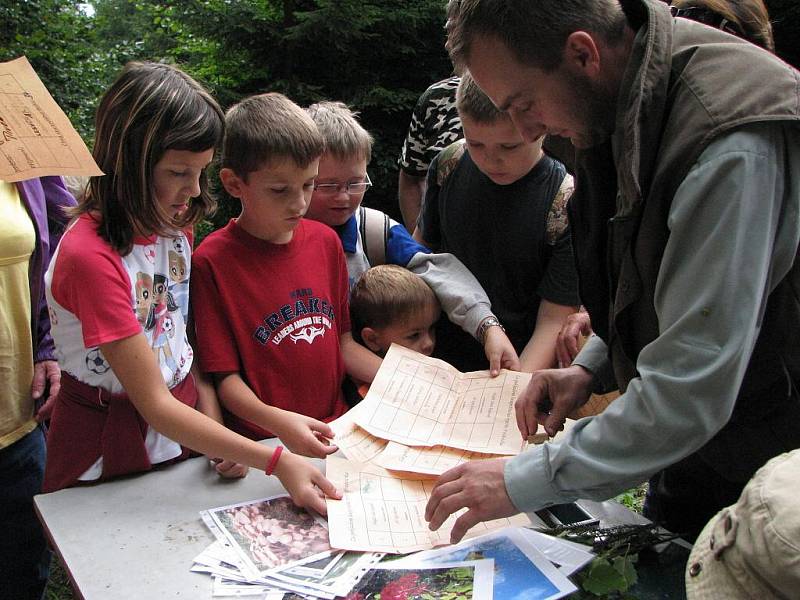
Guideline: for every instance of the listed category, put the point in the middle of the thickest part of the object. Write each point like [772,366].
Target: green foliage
[375,55]
[56,37]
[612,573]
[606,576]
[58,586]
[633,499]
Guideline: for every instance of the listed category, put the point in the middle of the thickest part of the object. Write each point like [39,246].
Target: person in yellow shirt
[31,221]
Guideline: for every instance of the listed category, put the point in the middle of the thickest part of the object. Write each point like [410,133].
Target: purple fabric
[44,198]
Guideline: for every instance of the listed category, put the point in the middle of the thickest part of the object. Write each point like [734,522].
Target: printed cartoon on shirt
[179,277]
[163,323]
[302,320]
[144,299]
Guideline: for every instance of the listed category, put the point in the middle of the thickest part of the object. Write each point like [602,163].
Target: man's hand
[576,327]
[477,486]
[304,435]
[550,396]
[305,483]
[45,373]
[499,351]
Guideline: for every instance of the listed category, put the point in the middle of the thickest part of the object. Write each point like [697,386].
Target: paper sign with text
[36,137]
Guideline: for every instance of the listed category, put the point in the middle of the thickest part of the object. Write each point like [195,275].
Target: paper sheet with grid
[355,443]
[421,401]
[360,446]
[431,461]
[385,512]
[36,137]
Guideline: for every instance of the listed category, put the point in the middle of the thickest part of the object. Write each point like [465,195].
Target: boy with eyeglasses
[338,191]
[270,293]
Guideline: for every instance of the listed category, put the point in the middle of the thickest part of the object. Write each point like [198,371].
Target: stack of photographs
[269,546]
[527,564]
[468,580]
[271,549]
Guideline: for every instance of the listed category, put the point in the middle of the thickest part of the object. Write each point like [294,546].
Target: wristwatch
[484,327]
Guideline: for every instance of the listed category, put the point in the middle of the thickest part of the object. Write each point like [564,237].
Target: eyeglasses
[353,188]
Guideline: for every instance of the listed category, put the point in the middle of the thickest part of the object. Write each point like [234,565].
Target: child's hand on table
[304,435]
[305,483]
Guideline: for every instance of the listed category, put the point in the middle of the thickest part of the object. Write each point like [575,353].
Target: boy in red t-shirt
[270,289]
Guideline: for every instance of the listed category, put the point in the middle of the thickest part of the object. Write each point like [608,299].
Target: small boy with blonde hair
[270,289]
[499,204]
[370,238]
[391,305]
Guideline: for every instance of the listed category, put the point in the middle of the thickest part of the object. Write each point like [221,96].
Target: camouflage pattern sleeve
[434,126]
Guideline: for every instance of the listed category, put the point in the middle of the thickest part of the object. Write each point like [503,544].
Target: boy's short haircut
[265,128]
[385,295]
[474,104]
[343,134]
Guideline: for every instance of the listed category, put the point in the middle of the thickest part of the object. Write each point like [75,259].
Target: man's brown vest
[685,86]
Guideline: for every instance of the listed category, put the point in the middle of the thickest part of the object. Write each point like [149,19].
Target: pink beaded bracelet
[273,461]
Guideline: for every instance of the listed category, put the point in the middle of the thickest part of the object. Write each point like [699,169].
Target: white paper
[421,401]
[383,511]
[568,556]
[225,588]
[316,568]
[431,461]
[355,443]
[339,581]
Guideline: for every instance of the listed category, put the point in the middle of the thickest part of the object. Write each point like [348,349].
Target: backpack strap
[448,160]
[374,232]
[557,215]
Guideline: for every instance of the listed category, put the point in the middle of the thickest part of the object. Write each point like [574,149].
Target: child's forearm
[540,351]
[207,401]
[134,364]
[417,236]
[300,433]
[238,398]
[410,191]
[359,362]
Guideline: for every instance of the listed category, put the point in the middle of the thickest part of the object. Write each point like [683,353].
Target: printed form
[360,446]
[36,137]
[431,461]
[355,443]
[421,401]
[385,512]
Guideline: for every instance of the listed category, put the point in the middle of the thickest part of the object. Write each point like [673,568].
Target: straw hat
[752,549]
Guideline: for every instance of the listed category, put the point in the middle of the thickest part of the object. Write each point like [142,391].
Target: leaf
[624,566]
[602,578]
